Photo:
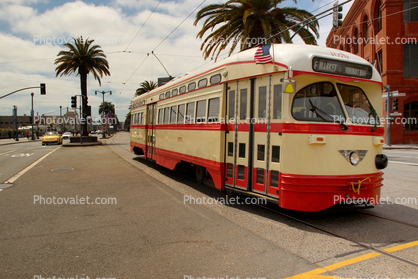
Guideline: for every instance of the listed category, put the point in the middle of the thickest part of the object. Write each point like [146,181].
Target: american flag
[262,55]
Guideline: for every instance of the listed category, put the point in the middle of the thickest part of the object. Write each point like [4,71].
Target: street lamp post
[32,115]
[61,118]
[103,109]
[15,120]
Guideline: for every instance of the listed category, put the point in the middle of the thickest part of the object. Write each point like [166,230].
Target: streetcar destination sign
[330,66]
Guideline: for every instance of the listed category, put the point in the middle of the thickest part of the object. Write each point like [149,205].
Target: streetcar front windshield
[318,102]
[358,106]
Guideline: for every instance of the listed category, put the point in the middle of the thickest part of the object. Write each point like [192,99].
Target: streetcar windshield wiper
[315,109]
[374,114]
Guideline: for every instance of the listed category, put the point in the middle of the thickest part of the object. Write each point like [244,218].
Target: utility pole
[32,116]
[15,120]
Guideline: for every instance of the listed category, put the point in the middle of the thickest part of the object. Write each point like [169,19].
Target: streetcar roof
[298,56]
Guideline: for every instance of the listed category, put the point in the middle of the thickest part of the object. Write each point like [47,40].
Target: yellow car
[52,137]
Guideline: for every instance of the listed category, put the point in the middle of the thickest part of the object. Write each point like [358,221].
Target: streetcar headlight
[354,158]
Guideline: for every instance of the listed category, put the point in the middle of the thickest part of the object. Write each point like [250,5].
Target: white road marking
[13,179]
[8,151]
[22,155]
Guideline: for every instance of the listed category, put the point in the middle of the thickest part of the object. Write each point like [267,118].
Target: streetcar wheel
[200,173]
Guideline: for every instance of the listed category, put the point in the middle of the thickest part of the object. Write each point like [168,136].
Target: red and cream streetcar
[300,127]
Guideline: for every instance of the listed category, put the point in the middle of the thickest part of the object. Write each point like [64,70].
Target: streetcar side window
[241,172]
[161,96]
[201,111]
[167,94]
[166,115]
[241,150]
[243,105]
[133,119]
[274,179]
[260,176]
[262,102]
[213,110]
[230,149]
[174,92]
[182,89]
[160,116]
[202,83]
[260,152]
[230,170]
[275,154]
[231,107]
[190,113]
[215,79]
[317,102]
[180,118]
[173,116]
[191,86]
[277,102]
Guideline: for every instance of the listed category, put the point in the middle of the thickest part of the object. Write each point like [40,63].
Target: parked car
[67,135]
[52,137]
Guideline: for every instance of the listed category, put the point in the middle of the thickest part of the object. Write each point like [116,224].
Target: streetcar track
[368,247]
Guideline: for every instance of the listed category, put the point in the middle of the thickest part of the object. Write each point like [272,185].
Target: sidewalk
[401,146]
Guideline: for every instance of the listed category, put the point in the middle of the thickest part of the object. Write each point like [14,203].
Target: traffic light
[395,104]
[337,16]
[85,101]
[43,89]
[73,101]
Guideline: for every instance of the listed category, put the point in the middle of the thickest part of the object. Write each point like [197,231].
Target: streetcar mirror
[289,86]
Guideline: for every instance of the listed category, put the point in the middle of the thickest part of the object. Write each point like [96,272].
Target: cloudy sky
[32,32]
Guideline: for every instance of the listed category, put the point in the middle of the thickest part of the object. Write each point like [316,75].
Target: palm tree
[145,87]
[107,107]
[250,23]
[82,58]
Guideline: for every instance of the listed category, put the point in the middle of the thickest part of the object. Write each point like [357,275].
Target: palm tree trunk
[83,80]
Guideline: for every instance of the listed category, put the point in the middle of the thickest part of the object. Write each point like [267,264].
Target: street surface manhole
[67,169]
[4,186]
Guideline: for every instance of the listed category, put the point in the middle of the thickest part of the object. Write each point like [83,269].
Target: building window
[410,112]
[379,61]
[378,21]
[410,60]
[355,41]
[410,12]
[365,31]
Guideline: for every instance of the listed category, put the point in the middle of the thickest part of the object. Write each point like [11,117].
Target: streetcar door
[150,140]
[266,138]
[237,144]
